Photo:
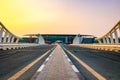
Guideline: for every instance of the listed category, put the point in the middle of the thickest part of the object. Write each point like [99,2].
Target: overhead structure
[83,39]
[63,38]
[111,37]
[6,36]
[40,39]
[78,39]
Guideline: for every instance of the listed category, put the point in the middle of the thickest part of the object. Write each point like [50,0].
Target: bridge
[64,38]
[112,36]
[60,56]
[6,36]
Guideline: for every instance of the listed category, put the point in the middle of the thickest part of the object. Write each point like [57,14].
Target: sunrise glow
[93,17]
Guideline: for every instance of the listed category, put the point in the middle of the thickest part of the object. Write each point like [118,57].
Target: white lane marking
[68,59]
[19,73]
[42,66]
[40,69]
[92,71]
[74,68]
[47,59]
[50,55]
[66,55]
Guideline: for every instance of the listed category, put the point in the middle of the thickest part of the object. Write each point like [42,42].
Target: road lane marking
[96,74]
[40,69]
[42,66]
[69,60]
[19,73]
[73,66]
[47,59]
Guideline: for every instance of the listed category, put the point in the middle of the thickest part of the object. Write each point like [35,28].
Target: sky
[94,17]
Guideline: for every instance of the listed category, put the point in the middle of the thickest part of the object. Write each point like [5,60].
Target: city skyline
[94,17]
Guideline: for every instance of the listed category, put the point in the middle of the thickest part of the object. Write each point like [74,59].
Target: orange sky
[93,17]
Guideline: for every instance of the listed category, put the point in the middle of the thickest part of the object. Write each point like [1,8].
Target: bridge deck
[56,67]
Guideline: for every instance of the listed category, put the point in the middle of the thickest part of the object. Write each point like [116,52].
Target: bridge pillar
[77,39]
[104,40]
[66,39]
[1,32]
[99,41]
[41,40]
[12,40]
[17,40]
[111,38]
[5,37]
[9,38]
[119,28]
[108,41]
[116,36]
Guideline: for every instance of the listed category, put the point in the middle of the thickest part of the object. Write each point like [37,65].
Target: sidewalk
[57,67]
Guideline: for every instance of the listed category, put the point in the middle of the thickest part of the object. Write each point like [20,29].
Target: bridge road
[57,67]
[106,63]
[13,61]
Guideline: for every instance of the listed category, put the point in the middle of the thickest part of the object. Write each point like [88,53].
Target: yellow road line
[19,73]
[96,74]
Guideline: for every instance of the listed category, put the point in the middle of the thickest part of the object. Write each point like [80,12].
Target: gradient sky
[93,17]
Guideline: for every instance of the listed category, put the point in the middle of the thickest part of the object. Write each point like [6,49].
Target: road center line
[41,67]
[19,73]
[96,74]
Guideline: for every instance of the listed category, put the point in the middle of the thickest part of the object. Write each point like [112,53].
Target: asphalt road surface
[105,63]
[11,61]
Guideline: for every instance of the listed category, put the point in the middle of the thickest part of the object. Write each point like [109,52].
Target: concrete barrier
[16,46]
[115,48]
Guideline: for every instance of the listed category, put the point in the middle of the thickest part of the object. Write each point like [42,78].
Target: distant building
[64,38]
